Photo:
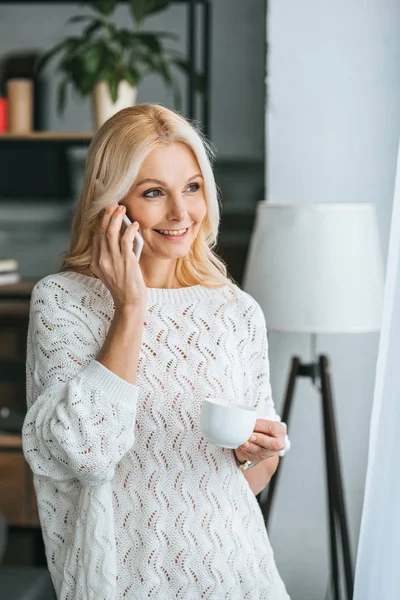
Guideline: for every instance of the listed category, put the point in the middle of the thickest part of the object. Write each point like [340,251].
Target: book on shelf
[9,278]
[8,265]
[9,271]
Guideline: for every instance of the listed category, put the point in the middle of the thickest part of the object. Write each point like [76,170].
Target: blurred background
[303,106]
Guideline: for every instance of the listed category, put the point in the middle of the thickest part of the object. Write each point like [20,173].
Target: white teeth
[175,233]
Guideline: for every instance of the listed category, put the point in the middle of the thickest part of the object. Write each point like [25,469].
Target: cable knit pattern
[133,502]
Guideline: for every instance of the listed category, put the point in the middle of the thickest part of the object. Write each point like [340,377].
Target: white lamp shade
[316,268]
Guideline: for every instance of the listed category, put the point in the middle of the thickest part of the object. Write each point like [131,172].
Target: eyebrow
[162,183]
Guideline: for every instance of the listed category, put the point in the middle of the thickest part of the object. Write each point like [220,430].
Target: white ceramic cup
[227,425]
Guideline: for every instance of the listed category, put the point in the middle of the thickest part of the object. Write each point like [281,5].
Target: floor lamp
[317,269]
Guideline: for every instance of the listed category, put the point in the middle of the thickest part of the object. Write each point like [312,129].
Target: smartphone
[137,242]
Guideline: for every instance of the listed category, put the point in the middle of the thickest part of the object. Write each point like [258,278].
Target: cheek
[133,210]
[144,215]
[201,209]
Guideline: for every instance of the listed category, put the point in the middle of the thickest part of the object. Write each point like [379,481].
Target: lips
[181,229]
[173,237]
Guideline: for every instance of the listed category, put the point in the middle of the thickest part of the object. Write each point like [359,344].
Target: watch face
[247,465]
[243,465]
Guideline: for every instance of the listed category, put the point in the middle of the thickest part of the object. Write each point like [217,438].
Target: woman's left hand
[270,440]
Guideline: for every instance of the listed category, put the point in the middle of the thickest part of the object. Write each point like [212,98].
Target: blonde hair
[113,162]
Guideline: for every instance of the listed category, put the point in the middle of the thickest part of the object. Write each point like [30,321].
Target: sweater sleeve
[80,420]
[259,368]
[261,392]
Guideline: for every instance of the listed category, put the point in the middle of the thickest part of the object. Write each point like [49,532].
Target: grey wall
[332,134]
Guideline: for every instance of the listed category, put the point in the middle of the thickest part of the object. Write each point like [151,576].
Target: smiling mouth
[173,235]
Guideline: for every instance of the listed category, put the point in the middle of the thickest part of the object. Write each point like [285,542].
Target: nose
[177,208]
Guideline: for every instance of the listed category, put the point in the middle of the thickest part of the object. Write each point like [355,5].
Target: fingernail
[121,207]
[253,439]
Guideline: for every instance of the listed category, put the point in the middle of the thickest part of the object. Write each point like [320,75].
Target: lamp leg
[266,507]
[334,473]
[332,498]
[337,511]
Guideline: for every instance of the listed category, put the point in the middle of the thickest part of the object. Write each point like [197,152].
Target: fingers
[243,454]
[112,235]
[272,428]
[267,439]
[106,218]
[128,238]
[106,241]
[260,443]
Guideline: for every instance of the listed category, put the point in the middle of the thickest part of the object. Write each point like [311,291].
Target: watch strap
[247,464]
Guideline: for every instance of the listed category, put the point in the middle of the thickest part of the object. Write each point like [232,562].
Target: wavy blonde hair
[113,162]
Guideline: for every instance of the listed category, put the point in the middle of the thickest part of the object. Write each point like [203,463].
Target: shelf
[43,137]
[47,135]
[18,291]
[10,440]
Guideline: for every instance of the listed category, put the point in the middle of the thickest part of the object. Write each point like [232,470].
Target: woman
[133,502]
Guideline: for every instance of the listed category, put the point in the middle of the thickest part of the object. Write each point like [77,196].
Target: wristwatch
[247,464]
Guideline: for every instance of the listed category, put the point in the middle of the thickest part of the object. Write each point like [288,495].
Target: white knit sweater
[133,502]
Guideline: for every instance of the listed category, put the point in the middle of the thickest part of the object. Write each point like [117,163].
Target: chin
[178,254]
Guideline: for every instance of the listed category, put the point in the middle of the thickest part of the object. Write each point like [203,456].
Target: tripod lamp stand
[317,269]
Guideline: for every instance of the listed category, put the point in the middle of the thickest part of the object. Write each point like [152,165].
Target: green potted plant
[108,62]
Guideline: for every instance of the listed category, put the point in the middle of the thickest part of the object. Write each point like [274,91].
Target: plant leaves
[150,41]
[162,69]
[69,46]
[47,56]
[61,95]
[92,28]
[199,78]
[176,94]
[160,34]
[73,69]
[74,42]
[142,8]
[78,18]
[91,59]
[117,53]
[114,76]
[113,86]
[132,76]
[138,10]
[125,37]
[153,6]
[103,7]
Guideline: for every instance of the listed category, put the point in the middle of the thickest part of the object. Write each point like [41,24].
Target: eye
[154,194]
[195,186]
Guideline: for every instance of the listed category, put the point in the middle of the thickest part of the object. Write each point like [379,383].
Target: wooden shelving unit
[46,135]
[9,441]
[18,502]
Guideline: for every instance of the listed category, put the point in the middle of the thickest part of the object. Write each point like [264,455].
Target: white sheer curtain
[377,575]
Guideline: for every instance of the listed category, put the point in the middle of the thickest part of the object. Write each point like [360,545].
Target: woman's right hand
[114,262]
